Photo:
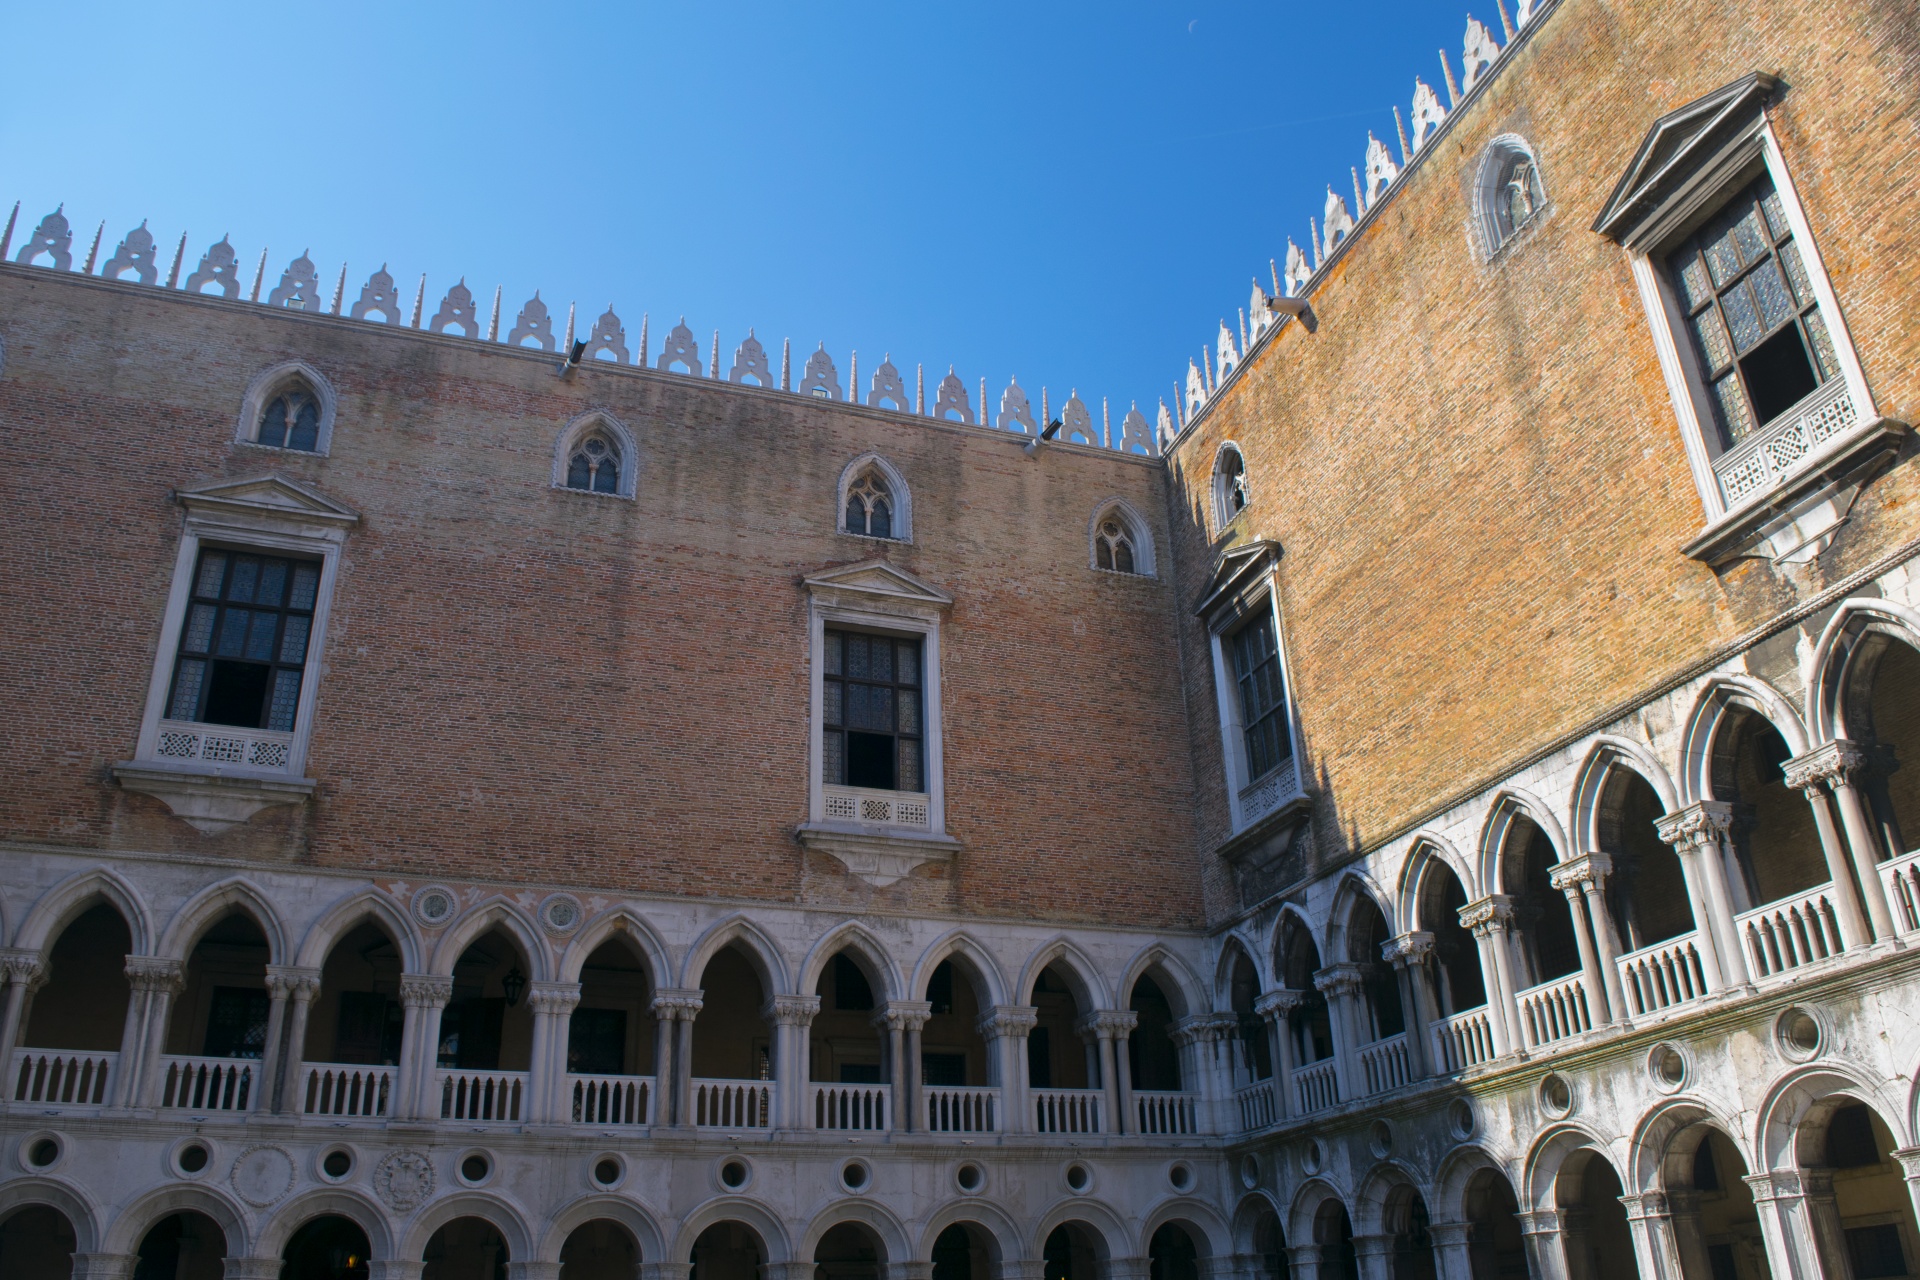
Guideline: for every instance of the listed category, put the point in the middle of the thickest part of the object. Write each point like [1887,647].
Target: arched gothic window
[1112,548]
[870,506]
[291,420]
[1230,495]
[594,466]
[1511,195]
[1119,541]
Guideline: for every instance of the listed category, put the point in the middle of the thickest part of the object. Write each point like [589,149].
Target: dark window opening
[470,1033]
[1039,1059]
[1850,1140]
[870,507]
[291,421]
[368,1030]
[872,733]
[236,1023]
[1875,1251]
[943,1069]
[1263,695]
[594,467]
[851,991]
[243,646]
[940,987]
[860,1073]
[597,1042]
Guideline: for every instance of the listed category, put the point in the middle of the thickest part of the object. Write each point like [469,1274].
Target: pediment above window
[876,584]
[1241,567]
[270,498]
[1680,147]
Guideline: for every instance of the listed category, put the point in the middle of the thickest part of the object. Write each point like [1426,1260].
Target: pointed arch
[275,381]
[1232,948]
[967,947]
[871,1214]
[1354,889]
[495,1210]
[1003,1235]
[69,1201]
[1111,1238]
[1428,851]
[1184,990]
[1133,526]
[772,1231]
[1083,975]
[762,952]
[345,1202]
[1717,698]
[625,448]
[55,909]
[133,1222]
[849,935]
[1791,1107]
[1370,1201]
[621,922]
[346,914]
[474,925]
[1201,1219]
[624,1210]
[212,904]
[1834,653]
[900,496]
[1509,804]
[1608,753]
[1300,1215]
[1292,917]
[1651,1151]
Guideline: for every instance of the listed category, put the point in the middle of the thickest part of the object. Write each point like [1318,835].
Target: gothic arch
[1427,851]
[1133,524]
[1303,922]
[1787,1112]
[132,1223]
[1354,889]
[1002,1234]
[760,949]
[355,1206]
[873,1215]
[624,1210]
[621,922]
[962,944]
[1110,1235]
[1717,698]
[81,1213]
[774,1243]
[270,383]
[55,909]
[1183,988]
[1655,1153]
[1370,1202]
[1313,1193]
[1607,754]
[1083,976]
[897,490]
[495,1210]
[1834,678]
[1510,803]
[851,936]
[474,924]
[1232,948]
[583,425]
[363,904]
[214,902]
[1200,1219]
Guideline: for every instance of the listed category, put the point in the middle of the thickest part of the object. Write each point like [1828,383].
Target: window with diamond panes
[1756,326]
[871,721]
[243,648]
[870,506]
[594,466]
[1263,696]
[291,420]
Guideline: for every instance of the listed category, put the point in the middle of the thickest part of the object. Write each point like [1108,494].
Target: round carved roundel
[560,913]
[404,1179]
[262,1175]
[434,905]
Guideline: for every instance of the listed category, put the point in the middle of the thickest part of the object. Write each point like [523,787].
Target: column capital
[678,1270]
[1450,1234]
[1020,1269]
[1648,1204]
[1339,979]
[791,1011]
[1278,1003]
[1590,868]
[1126,1269]
[684,1003]
[533,1271]
[426,990]
[156,973]
[1007,1020]
[23,967]
[104,1266]
[1702,823]
[553,997]
[251,1269]
[1488,915]
[1833,762]
[1113,1024]
[394,1270]
[287,981]
[912,1269]
[903,1015]
[1373,1247]
[1909,1158]
[774,1271]
[1414,948]
[1539,1222]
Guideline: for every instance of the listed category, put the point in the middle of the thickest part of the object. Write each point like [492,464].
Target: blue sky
[1073,193]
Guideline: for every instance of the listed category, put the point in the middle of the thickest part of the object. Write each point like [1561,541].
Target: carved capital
[1200,1028]
[1909,1158]
[1700,824]
[553,997]
[1279,1003]
[24,967]
[1571,876]
[1407,949]
[1339,979]
[426,990]
[1113,1024]
[1835,762]
[1007,1020]
[285,981]
[791,1011]
[1539,1222]
[158,974]
[902,1015]
[1488,915]
[682,1003]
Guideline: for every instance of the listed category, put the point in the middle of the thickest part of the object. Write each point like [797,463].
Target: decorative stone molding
[682,1003]
[1115,1024]
[156,974]
[1699,825]
[1487,915]
[903,1015]
[379,296]
[24,967]
[53,237]
[560,914]
[1279,1003]
[426,990]
[457,311]
[291,982]
[1407,949]
[1833,763]
[262,1175]
[1589,868]
[434,905]
[553,997]
[1339,979]
[791,1011]
[750,361]
[219,266]
[1007,1020]
[403,1180]
[135,254]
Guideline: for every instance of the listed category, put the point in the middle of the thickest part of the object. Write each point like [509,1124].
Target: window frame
[625,447]
[900,691]
[1489,193]
[271,383]
[1244,592]
[897,491]
[1218,486]
[1138,532]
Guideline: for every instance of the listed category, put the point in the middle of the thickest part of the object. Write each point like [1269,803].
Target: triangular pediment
[878,578]
[268,495]
[1679,145]
[1236,568]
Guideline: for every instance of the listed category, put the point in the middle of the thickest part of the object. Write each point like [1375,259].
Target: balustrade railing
[340,1089]
[1258,1105]
[1166,1112]
[951,1109]
[1554,1010]
[1067,1110]
[62,1076]
[1316,1086]
[733,1104]
[1786,445]
[1385,1064]
[1663,975]
[849,1106]
[223,746]
[207,1084]
[1902,877]
[1788,934]
[1464,1040]
[614,1100]
[490,1096]
[863,804]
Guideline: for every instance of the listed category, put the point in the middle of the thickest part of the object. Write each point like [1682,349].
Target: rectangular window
[236,1023]
[1756,327]
[243,645]
[597,1042]
[368,1029]
[1875,1251]
[944,1070]
[1263,695]
[871,722]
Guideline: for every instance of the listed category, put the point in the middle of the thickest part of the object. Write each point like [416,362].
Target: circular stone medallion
[261,1175]
[404,1179]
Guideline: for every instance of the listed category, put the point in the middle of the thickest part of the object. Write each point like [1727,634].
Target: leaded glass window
[243,646]
[873,732]
[1519,197]
[291,420]
[1113,548]
[594,466]
[1263,695]
[1756,325]
[870,507]
[1230,484]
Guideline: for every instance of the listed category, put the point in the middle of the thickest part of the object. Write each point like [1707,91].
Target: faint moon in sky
[1192,25]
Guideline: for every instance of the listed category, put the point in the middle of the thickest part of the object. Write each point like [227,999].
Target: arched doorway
[1153,1063]
[466,1249]
[1270,1246]
[727,1251]
[1496,1248]
[849,1251]
[486,1033]
[731,1042]
[36,1243]
[329,1247]
[1406,1221]
[954,1059]
[964,1251]
[1715,1222]
[1870,1195]
[1309,1026]
[78,1015]
[1172,1254]
[1060,1058]
[1647,893]
[1776,845]
[351,1046]
[220,1014]
[847,1052]
[1593,1228]
[1072,1252]
[182,1246]
[599,1250]
[1333,1233]
[611,1040]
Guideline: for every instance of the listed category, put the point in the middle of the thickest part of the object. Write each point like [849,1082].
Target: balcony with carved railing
[215,1085]
[345,1091]
[611,1100]
[1257,1105]
[1901,875]
[487,1097]
[953,1109]
[1316,1087]
[1790,934]
[848,1106]
[1663,976]
[881,808]
[1067,1110]
[733,1104]
[1166,1113]
[1384,1064]
[225,747]
[1463,1040]
[1557,1009]
[1786,446]
[63,1077]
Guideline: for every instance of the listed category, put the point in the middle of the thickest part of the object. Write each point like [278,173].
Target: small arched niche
[1509,192]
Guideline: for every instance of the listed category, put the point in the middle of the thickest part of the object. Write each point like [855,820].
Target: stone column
[1835,765]
[302,986]
[1303,1262]
[1452,1250]
[1276,1010]
[104,1266]
[1375,1256]
[24,973]
[1005,1028]
[1100,1027]
[154,981]
[894,1018]
[1020,1268]
[1909,1158]
[533,1271]
[680,1271]
[553,1004]
[676,1008]
[792,1019]
[1570,878]
[1546,1247]
[1487,919]
[395,1270]
[282,983]
[1650,1222]
[417,1089]
[1698,834]
[1789,1229]
[1411,955]
[913,1015]
[1606,935]
[1125,1269]
[1340,983]
[251,1269]
[912,1269]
